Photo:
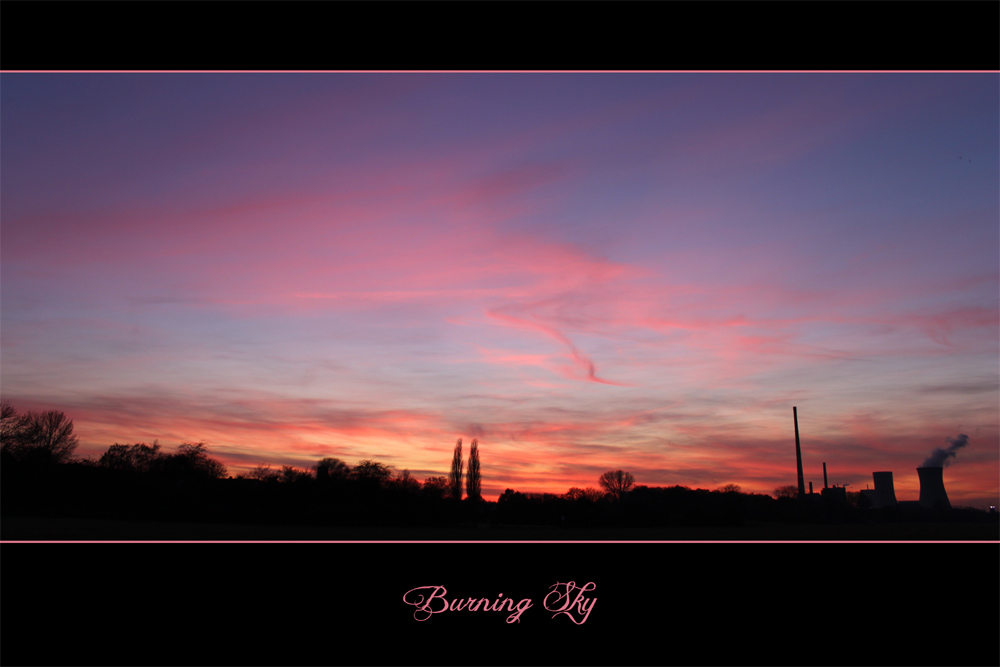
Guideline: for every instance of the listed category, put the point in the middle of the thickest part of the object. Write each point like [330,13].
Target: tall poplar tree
[456,472]
[473,480]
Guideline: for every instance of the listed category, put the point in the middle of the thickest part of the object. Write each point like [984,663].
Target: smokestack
[824,474]
[932,493]
[885,494]
[798,452]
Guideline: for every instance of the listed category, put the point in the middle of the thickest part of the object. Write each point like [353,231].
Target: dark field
[50,528]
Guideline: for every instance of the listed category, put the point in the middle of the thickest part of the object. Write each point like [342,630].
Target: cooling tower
[885,494]
[932,493]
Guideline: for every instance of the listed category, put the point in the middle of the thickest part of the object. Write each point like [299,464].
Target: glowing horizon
[583,271]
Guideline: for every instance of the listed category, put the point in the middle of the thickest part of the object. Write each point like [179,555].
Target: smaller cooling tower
[885,494]
[932,493]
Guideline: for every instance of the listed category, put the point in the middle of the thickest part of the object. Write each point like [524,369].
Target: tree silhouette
[589,494]
[789,491]
[456,471]
[617,483]
[331,468]
[371,473]
[139,457]
[406,482]
[192,460]
[11,425]
[473,481]
[436,487]
[292,475]
[262,472]
[43,437]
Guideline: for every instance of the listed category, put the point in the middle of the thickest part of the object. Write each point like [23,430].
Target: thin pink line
[499,541]
[513,71]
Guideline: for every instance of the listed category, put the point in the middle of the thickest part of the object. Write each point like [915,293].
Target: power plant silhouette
[931,475]
[834,494]
[884,494]
[932,493]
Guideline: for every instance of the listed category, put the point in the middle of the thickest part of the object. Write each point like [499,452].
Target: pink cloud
[583,366]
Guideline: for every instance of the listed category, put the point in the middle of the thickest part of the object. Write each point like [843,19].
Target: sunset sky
[584,271]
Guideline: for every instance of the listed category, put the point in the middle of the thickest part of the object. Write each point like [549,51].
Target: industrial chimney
[932,493]
[798,452]
[885,494]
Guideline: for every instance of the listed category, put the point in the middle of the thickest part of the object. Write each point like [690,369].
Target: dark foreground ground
[49,528]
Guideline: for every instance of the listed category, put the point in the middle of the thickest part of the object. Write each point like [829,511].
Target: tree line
[41,477]
[146,481]
[46,437]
